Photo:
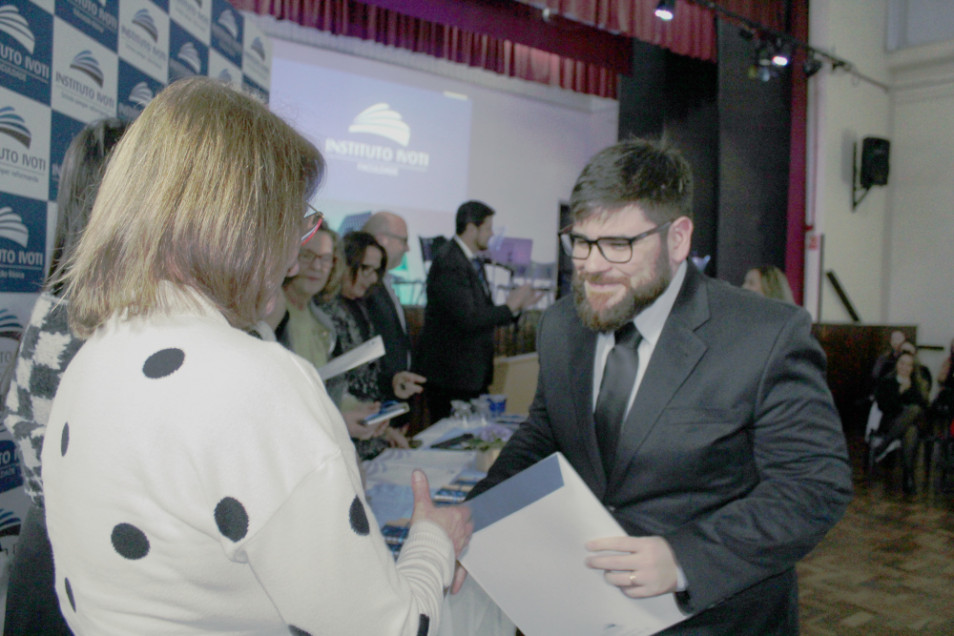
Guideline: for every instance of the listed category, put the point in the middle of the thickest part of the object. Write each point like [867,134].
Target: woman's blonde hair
[333,286]
[207,190]
[774,283]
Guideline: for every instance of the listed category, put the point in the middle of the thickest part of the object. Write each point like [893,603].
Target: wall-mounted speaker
[874,161]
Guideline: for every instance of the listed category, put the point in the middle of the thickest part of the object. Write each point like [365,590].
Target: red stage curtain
[692,33]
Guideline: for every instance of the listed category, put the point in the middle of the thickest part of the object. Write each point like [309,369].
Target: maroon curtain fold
[388,27]
[798,160]
[691,33]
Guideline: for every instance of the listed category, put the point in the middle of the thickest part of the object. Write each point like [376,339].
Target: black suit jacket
[456,351]
[397,344]
[733,450]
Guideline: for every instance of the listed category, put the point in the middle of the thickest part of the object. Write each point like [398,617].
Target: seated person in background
[770,282]
[301,325]
[942,408]
[886,361]
[903,398]
[927,380]
[198,479]
[364,265]
[945,375]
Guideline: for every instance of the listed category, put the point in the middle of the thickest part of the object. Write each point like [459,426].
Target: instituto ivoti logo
[10,326]
[24,163]
[379,120]
[24,53]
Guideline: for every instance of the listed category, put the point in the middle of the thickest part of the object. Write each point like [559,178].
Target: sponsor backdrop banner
[63,64]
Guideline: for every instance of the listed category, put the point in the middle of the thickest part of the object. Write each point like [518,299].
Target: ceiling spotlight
[762,66]
[783,54]
[666,10]
[812,65]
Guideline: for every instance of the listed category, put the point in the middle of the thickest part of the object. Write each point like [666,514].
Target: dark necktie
[479,266]
[619,375]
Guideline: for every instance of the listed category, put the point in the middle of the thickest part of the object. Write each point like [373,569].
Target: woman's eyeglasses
[312,222]
[307,257]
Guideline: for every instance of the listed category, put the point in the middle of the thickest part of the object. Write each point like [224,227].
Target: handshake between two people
[640,566]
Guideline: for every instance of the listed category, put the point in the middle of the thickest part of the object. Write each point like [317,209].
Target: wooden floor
[888,566]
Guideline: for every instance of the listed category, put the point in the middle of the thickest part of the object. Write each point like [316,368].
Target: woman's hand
[405,384]
[354,420]
[454,520]
[647,566]
[395,437]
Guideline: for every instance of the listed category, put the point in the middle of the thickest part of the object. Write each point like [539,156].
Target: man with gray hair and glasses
[696,412]
[384,308]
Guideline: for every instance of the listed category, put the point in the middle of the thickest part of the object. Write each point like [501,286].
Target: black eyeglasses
[312,222]
[615,249]
[401,239]
[306,257]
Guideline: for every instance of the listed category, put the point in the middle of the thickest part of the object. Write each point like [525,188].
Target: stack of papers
[528,553]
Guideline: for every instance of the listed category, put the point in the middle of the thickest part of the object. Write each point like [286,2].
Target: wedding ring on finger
[632,578]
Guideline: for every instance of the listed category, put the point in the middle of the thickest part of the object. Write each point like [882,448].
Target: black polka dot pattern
[424,625]
[359,518]
[129,541]
[163,363]
[69,593]
[65,439]
[298,631]
[231,519]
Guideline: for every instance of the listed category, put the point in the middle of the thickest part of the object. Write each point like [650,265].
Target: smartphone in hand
[388,410]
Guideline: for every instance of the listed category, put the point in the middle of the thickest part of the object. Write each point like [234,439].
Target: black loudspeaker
[874,161]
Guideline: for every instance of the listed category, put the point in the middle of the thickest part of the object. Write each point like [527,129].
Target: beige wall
[843,109]
[921,229]
[895,253]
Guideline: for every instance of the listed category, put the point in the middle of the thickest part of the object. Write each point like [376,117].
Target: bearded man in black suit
[704,425]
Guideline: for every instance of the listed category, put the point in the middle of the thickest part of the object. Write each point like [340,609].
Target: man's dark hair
[655,177]
[472,212]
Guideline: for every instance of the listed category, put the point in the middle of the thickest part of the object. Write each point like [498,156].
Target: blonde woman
[769,281]
[198,479]
[301,323]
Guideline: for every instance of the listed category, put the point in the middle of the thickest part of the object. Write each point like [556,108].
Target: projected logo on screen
[379,120]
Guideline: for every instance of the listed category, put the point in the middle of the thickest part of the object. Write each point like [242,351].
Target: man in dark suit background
[456,351]
[384,308]
[708,431]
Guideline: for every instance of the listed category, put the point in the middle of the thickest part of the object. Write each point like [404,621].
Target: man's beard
[613,317]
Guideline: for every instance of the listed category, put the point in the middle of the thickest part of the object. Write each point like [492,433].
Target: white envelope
[528,553]
[362,354]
